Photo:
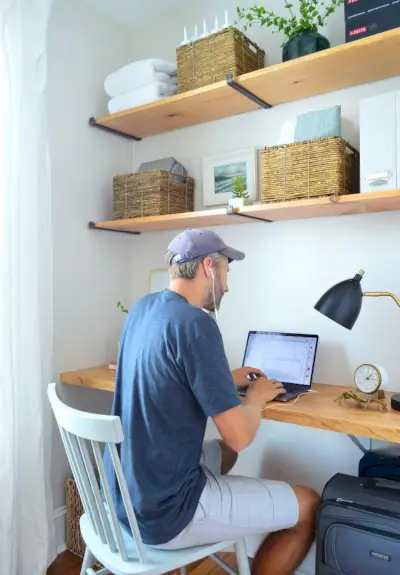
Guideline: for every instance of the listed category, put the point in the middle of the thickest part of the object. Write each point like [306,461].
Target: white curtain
[26,275]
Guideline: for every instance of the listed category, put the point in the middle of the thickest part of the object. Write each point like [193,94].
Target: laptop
[286,357]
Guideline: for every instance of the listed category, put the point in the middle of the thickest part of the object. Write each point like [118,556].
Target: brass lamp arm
[382,294]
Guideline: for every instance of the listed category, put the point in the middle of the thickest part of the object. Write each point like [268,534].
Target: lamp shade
[342,302]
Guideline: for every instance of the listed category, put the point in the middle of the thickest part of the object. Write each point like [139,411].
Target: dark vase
[304,44]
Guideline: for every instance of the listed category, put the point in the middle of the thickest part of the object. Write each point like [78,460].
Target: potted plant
[300,30]
[240,196]
[122,307]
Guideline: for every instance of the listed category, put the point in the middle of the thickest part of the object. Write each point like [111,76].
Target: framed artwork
[219,171]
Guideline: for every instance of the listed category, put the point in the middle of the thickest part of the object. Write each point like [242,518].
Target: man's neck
[187,289]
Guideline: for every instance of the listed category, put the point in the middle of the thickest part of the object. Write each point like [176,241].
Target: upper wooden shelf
[360,62]
[315,208]
[317,410]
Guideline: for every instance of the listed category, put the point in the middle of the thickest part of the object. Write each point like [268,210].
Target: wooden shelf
[316,410]
[315,208]
[360,62]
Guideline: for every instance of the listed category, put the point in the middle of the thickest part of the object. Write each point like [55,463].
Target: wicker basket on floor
[152,193]
[75,543]
[310,169]
[210,59]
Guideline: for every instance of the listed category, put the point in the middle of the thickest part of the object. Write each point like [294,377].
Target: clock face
[367,378]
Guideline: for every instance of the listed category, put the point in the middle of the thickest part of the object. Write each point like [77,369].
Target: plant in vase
[240,195]
[300,31]
[122,307]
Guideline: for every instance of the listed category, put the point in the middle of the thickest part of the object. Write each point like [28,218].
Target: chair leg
[242,558]
[183,570]
[88,561]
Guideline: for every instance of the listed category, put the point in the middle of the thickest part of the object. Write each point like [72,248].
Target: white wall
[90,268]
[288,266]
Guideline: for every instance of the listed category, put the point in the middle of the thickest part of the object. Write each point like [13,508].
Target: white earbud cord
[213,290]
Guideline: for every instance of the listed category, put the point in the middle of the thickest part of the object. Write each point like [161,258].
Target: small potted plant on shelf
[300,27]
[240,196]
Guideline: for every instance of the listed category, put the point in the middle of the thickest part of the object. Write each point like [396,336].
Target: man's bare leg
[282,552]
[229,457]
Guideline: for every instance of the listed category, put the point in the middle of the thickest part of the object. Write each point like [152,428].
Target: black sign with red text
[367,17]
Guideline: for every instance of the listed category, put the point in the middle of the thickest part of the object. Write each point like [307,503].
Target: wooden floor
[68,564]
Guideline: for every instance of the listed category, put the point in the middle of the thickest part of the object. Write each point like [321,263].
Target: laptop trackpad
[288,395]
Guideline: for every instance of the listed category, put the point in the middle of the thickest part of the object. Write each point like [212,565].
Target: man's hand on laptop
[240,375]
[238,426]
[263,390]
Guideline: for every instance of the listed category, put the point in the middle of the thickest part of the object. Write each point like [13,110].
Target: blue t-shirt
[172,375]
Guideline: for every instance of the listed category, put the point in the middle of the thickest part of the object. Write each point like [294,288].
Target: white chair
[120,550]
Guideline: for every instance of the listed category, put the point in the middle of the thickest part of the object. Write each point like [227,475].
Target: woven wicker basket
[75,543]
[152,193]
[310,169]
[210,59]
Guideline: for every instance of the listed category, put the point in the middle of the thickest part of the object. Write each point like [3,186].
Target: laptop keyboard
[294,387]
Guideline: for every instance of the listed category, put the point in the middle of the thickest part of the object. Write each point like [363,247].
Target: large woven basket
[152,193]
[310,169]
[75,543]
[210,59]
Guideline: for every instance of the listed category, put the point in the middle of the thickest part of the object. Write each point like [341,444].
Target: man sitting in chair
[172,375]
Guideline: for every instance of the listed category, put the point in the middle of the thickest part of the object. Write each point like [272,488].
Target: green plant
[122,307]
[312,16]
[239,188]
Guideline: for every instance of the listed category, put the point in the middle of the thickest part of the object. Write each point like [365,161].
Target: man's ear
[207,264]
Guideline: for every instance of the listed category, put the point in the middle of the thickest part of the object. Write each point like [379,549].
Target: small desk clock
[368,380]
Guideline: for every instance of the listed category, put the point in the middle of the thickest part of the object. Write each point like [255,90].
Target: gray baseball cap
[200,242]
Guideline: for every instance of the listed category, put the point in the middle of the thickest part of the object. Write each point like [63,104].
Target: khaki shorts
[233,507]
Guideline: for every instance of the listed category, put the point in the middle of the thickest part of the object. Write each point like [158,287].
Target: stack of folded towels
[139,83]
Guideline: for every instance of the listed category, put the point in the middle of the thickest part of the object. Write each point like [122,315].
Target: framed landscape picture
[219,170]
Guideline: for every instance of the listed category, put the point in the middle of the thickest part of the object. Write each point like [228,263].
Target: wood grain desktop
[317,410]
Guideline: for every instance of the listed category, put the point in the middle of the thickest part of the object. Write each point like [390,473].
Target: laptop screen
[286,357]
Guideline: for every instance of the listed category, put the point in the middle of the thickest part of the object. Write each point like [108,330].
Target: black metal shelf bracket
[93,226]
[231,82]
[232,212]
[94,124]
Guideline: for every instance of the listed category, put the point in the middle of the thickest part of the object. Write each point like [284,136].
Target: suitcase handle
[381,484]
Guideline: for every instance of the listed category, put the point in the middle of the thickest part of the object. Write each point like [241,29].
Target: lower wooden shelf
[293,210]
[317,410]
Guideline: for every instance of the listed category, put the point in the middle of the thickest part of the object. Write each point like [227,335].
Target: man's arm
[211,382]
[238,426]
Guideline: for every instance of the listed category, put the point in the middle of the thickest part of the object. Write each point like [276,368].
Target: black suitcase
[358,529]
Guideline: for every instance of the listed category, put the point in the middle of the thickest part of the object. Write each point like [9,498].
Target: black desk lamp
[342,302]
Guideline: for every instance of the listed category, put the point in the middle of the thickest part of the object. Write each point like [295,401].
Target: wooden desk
[101,378]
[316,410]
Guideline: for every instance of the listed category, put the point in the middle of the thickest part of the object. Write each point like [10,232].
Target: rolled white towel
[141,96]
[139,74]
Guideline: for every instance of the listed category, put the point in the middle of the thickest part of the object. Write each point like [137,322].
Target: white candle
[205,33]
[196,34]
[185,38]
[216,29]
